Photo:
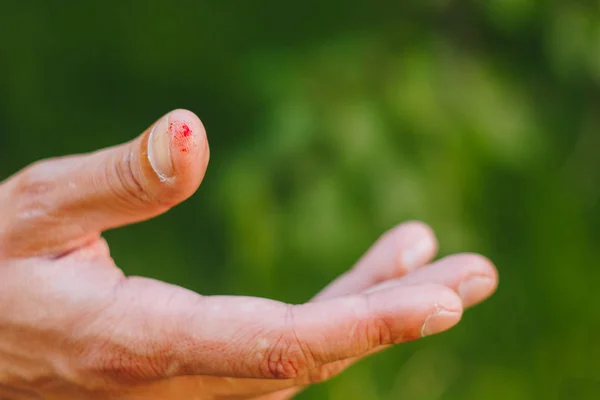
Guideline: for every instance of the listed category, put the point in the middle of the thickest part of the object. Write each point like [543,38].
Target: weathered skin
[72,326]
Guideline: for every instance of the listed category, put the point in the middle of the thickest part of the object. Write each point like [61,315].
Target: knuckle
[372,333]
[380,333]
[285,359]
[372,330]
[32,200]
[32,187]
[126,182]
[32,183]
[129,183]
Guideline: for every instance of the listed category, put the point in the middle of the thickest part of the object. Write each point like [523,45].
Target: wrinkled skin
[72,326]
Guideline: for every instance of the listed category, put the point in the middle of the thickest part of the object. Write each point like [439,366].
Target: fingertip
[418,242]
[412,244]
[481,282]
[445,312]
[421,228]
[476,289]
[187,131]
[398,252]
[177,154]
[188,143]
[479,277]
[439,321]
[431,308]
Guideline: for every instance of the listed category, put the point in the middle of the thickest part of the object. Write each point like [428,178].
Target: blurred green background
[329,123]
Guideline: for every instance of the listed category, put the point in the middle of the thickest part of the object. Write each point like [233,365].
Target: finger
[398,252]
[56,205]
[473,277]
[184,334]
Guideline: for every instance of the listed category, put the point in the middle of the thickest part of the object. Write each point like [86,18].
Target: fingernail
[475,289]
[159,150]
[418,254]
[447,312]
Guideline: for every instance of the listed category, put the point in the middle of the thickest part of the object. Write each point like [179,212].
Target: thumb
[56,205]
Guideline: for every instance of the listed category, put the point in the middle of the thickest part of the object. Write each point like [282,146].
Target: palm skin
[72,326]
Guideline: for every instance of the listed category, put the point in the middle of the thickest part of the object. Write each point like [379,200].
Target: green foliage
[331,122]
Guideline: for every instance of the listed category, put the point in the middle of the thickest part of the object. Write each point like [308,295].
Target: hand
[72,326]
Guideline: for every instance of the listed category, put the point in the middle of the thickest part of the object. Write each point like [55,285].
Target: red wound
[182,135]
